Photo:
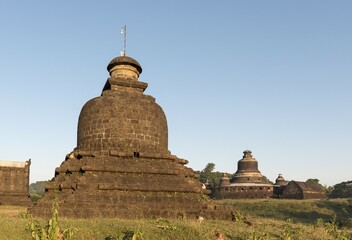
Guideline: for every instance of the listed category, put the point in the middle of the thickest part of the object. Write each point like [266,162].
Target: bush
[50,231]
[342,190]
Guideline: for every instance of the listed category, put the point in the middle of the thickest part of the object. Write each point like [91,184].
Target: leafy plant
[128,235]
[23,215]
[288,230]
[238,217]
[253,236]
[319,223]
[332,229]
[51,230]
[164,224]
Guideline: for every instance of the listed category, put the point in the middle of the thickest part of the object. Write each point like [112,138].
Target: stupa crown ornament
[247,154]
[124,67]
[124,72]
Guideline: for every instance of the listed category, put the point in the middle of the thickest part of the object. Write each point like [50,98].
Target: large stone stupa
[122,167]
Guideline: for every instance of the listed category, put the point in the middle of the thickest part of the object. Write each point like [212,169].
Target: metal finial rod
[123,31]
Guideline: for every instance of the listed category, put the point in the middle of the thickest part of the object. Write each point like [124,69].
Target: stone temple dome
[123,119]
[247,170]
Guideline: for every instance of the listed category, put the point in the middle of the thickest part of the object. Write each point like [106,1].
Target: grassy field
[253,219]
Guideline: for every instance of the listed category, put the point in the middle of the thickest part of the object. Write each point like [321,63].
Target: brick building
[303,190]
[14,183]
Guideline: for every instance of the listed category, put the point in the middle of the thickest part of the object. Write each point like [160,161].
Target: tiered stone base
[121,185]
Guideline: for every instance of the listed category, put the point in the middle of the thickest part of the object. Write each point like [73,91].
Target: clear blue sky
[274,77]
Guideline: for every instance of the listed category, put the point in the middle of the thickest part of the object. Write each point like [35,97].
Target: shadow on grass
[342,208]
[300,217]
[300,211]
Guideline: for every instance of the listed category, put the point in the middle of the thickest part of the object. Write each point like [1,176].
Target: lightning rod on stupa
[123,32]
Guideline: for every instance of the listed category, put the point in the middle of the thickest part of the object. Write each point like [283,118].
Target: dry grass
[263,219]
[11,211]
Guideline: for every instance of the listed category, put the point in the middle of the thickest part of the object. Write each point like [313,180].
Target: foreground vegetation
[252,219]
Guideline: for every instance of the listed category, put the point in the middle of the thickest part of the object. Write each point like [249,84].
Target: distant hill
[36,190]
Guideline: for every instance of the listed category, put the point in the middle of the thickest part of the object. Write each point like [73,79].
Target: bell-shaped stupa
[247,182]
[122,167]
[247,170]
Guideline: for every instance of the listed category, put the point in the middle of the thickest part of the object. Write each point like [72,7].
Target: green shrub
[238,217]
[51,230]
[35,197]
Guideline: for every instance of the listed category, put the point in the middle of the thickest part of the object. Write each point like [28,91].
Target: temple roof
[308,186]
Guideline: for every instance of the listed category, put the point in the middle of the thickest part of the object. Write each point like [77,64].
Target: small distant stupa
[121,167]
[280,180]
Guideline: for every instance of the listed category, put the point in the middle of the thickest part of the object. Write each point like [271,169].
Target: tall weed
[51,230]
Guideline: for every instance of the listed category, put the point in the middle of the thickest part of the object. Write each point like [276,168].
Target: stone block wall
[243,192]
[120,185]
[14,183]
[123,121]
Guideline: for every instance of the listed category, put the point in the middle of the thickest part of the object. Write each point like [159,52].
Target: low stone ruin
[14,183]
